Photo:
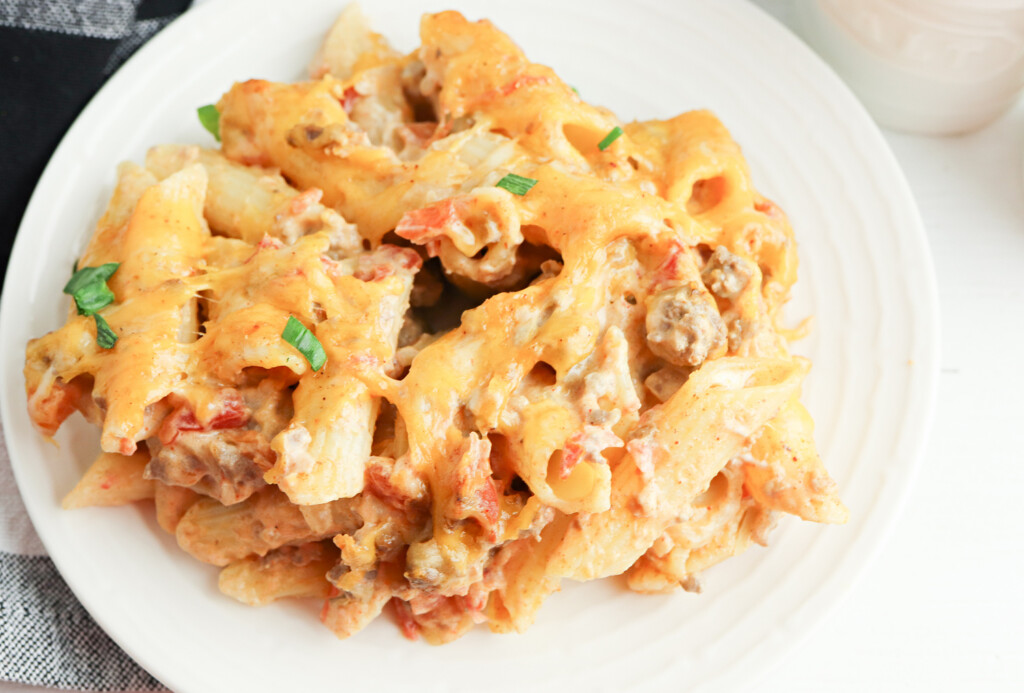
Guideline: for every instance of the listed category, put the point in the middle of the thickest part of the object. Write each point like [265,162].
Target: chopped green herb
[90,275]
[105,336]
[91,297]
[209,117]
[296,334]
[88,286]
[517,185]
[609,138]
[575,90]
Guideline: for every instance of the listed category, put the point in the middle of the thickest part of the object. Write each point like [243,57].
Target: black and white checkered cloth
[54,55]
[46,636]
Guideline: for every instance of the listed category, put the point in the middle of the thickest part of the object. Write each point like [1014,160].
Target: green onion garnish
[615,134]
[90,275]
[296,334]
[209,116]
[91,297]
[105,336]
[88,286]
[517,185]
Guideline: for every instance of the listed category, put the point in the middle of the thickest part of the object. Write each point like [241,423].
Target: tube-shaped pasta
[528,581]
[112,480]
[291,571]
[301,129]
[104,246]
[588,378]
[220,534]
[786,472]
[671,460]
[323,452]
[172,502]
[249,203]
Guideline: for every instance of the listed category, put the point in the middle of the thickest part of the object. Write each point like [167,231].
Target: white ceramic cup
[925,66]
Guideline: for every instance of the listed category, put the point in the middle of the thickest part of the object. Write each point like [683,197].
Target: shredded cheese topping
[546,356]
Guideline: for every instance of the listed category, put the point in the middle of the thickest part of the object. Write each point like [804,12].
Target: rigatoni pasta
[429,330]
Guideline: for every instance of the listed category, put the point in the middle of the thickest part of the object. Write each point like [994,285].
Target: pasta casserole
[430,332]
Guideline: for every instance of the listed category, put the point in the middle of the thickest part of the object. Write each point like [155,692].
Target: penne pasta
[430,330]
[288,572]
[112,480]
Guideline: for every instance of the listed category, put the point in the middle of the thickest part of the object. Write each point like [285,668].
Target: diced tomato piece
[348,99]
[303,201]
[669,270]
[768,208]
[592,439]
[426,224]
[231,413]
[385,261]
[474,494]
[523,81]
[378,483]
[403,614]
[50,406]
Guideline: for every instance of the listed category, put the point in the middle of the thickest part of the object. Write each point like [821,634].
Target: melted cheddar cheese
[583,380]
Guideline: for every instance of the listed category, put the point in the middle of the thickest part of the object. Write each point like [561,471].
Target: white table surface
[942,606]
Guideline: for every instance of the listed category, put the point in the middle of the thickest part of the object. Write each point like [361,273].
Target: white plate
[866,276]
